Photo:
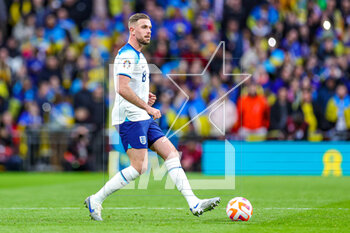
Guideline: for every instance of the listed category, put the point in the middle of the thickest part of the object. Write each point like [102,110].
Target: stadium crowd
[54,57]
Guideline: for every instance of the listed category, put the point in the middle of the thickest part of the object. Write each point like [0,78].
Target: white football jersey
[133,64]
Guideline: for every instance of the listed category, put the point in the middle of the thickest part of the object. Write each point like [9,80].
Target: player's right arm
[127,93]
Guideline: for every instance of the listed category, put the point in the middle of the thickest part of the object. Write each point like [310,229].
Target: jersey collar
[138,53]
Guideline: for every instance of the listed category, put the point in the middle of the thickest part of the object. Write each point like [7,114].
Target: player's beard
[143,41]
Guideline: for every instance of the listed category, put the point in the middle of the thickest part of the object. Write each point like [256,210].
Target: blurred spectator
[338,112]
[161,53]
[325,92]
[82,105]
[311,113]
[94,50]
[196,106]
[345,11]
[61,119]
[25,29]
[3,105]
[40,12]
[3,18]
[44,96]
[62,114]
[31,116]
[262,18]
[69,67]
[223,115]
[98,113]
[191,155]
[326,49]
[292,45]
[51,69]
[253,115]
[284,80]
[168,113]
[192,52]
[9,143]
[10,133]
[234,40]
[5,71]
[234,9]
[79,11]
[76,158]
[55,85]
[177,26]
[17,9]
[297,127]
[280,111]
[30,121]
[98,118]
[54,33]
[23,89]
[67,24]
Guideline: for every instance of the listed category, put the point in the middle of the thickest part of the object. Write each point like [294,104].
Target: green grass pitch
[53,202]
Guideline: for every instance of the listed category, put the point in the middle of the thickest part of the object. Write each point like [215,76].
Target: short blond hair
[135,17]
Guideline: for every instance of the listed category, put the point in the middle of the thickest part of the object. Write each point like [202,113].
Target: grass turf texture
[37,202]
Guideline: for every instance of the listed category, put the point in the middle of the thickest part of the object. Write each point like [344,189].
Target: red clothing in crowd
[253,112]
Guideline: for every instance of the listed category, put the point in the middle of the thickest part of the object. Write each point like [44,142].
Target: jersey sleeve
[124,64]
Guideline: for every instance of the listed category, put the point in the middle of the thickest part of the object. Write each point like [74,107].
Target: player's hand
[154,112]
[151,98]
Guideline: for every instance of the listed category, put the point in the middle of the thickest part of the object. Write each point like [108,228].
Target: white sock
[118,181]
[179,177]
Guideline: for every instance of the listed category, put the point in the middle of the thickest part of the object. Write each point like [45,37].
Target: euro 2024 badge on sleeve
[126,64]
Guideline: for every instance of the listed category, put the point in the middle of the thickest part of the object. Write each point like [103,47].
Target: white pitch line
[311,208]
[157,208]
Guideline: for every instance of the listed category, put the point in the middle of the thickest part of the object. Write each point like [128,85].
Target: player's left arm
[151,98]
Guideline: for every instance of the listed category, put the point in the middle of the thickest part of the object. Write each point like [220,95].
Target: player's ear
[132,29]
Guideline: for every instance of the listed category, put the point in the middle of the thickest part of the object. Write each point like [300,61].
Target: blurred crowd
[54,57]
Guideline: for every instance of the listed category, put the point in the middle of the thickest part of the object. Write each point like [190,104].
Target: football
[239,209]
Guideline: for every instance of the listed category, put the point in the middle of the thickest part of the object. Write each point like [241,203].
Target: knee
[141,165]
[173,154]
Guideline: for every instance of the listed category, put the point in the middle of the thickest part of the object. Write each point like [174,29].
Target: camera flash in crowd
[46,107]
[272,42]
[327,25]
